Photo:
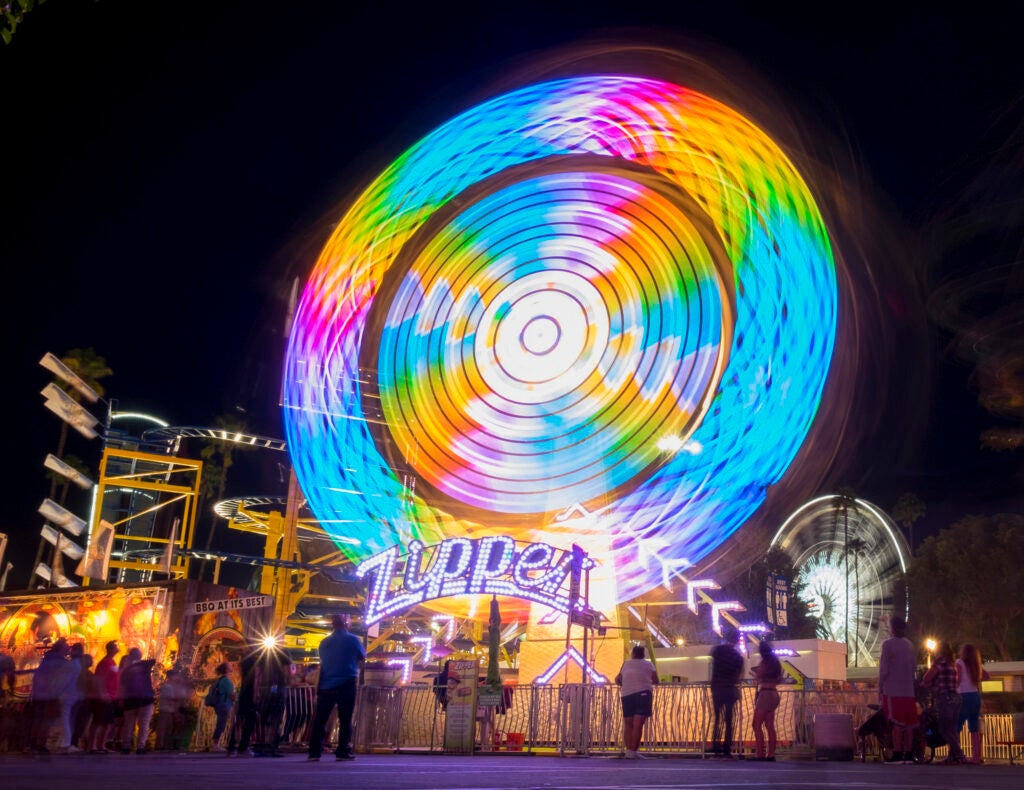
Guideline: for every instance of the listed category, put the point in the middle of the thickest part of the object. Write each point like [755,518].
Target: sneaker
[638,756]
[312,759]
[217,748]
[74,750]
[346,756]
[630,754]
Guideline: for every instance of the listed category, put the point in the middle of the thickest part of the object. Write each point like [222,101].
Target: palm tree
[90,367]
[908,509]
[218,458]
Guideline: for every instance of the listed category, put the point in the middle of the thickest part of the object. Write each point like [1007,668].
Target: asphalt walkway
[493,772]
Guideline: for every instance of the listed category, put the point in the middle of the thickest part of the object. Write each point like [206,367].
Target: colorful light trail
[514,316]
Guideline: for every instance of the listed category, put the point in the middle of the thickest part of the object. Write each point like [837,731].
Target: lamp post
[930,645]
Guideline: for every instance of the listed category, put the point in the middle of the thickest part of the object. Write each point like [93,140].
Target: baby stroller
[874,736]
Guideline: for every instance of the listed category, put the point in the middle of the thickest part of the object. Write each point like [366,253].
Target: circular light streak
[848,556]
[510,323]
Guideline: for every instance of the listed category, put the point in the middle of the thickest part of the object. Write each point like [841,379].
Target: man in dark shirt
[341,654]
[726,671]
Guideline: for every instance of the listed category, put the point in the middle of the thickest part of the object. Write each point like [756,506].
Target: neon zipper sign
[463,566]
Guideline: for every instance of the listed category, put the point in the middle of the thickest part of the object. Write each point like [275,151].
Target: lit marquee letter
[447,571]
[378,603]
[487,565]
[535,557]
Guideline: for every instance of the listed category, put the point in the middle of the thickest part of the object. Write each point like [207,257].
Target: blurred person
[768,674]
[245,712]
[135,690]
[172,699]
[897,668]
[441,686]
[48,683]
[68,696]
[81,712]
[971,673]
[726,671]
[221,698]
[341,656]
[103,701]
[300,701]
[636,680]
[8,674]
[266,673]
[942,679]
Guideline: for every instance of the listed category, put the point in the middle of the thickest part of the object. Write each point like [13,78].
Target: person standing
[971,673]
[223,695]
[441,686]
[273,694]
[47,683]
[942,679]
[81,714]
[726,671]
[245,714]
[897,668]
[102,700]
[767,675]
[636,679]
[261,694]
[137,695]
[341,655]
[70,695]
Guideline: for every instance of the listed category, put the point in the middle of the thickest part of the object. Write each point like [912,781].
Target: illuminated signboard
[460,566]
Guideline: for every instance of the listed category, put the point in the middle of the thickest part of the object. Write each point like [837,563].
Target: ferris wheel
[848,555]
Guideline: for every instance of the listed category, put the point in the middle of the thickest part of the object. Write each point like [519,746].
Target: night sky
[169,169]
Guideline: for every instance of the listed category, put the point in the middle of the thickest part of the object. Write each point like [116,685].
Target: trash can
[833,736]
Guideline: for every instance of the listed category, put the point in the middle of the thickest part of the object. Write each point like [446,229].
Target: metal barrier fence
[586,719]
[579,719]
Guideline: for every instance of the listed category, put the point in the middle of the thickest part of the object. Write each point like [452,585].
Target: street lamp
[930,645]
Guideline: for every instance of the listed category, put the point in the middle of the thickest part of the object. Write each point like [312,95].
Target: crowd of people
[952,685]
[111,706]
[128,705]
[92,709]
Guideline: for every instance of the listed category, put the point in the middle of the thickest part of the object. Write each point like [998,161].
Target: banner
[463,679]
[96,561]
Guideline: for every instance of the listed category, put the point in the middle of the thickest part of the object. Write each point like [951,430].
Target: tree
[12,14]
[218,458]
[965,585]
[908,509]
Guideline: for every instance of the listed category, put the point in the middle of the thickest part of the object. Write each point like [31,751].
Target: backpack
[213,696]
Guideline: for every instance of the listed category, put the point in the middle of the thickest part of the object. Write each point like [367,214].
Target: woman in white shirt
[637,680]
[970,673]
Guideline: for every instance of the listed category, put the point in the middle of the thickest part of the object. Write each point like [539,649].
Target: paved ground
[497,772]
